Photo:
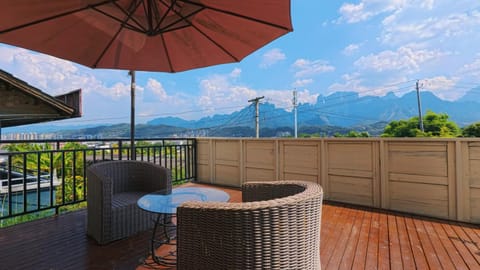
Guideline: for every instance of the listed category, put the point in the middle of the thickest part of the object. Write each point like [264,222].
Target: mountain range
[342,109]
[336,113]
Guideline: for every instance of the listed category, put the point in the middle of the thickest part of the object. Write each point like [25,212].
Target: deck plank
[416,246]
[341,240]
[440,251]
[351,243]
[332,238]
[450,249]
[461,245]
[474,241]
[362,245]
[429,245]
[371,261]
[405,247]
[383,243]
[394,241]
[352,237]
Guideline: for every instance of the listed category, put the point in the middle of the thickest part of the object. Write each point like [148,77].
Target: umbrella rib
[237,15]
[148,10]
[216,43]
[169,8]
[167,54]
[139,27]
[182,18]
[117,33]
[55,16]
[106,47]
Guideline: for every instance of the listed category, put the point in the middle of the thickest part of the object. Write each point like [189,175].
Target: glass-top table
[165,205]
[159,203]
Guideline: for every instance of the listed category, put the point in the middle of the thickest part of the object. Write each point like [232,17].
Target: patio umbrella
[148,35]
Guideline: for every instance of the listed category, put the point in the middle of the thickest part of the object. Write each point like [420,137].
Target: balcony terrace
[352,237]
[389,204]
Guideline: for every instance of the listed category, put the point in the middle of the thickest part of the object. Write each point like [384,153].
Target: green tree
[435,125]
[31,159]
[64,163]
[353,134]
[472,130]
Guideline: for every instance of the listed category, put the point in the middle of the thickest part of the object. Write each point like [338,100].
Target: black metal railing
[42,176]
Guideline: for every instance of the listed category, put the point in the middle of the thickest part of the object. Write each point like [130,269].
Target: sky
[367,46]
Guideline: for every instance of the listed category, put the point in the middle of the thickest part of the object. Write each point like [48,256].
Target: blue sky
[368,46]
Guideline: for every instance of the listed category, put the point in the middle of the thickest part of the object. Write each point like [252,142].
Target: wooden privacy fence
[431,177]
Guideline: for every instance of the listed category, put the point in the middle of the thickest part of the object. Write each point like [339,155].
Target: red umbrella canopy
[149,35]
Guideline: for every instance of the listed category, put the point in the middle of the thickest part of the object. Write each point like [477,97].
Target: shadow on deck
[351,238]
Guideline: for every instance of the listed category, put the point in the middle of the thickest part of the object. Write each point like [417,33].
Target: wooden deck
[351,238]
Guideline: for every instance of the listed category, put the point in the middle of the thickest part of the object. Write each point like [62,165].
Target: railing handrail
[93,140]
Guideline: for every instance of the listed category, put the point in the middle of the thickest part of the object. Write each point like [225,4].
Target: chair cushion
[124,199]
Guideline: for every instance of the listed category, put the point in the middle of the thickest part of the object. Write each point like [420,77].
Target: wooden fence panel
[474,180]
[260,160]
[418,178]
[227,166]
[352,172]
[300,160]
[204,161]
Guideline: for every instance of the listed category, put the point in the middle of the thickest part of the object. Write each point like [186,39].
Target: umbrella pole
[133,155]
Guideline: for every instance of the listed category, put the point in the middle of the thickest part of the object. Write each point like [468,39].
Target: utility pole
[295,111]
[420,119]
[257,125]
[133,154]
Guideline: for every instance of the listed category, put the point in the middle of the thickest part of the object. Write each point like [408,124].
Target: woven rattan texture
[276,227]
[113,189]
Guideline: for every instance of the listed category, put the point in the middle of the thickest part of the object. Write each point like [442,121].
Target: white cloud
[403,28]
[354,13]
[352,82]
[306,97]
[438,83]
[309,68]
[100,101]
[119,90]
[428,4]
[220,94]
[366,9]
[442,87]
[217,91]
[355,83]
[55,76]
[351,49]
[284,98]
[472,69]
[302,83]
[272,57]
[408,58]
[236,72]
[157,88]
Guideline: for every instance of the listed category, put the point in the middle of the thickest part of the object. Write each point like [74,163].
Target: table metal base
[163,239]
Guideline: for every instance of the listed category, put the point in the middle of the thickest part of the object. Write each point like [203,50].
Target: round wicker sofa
[277,226]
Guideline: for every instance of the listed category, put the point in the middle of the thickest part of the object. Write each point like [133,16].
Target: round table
[166,205]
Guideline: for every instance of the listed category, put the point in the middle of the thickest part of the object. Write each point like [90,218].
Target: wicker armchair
[276,227]
[113,190]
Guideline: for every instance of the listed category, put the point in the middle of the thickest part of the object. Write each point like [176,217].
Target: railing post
[194,174]
[120,150]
